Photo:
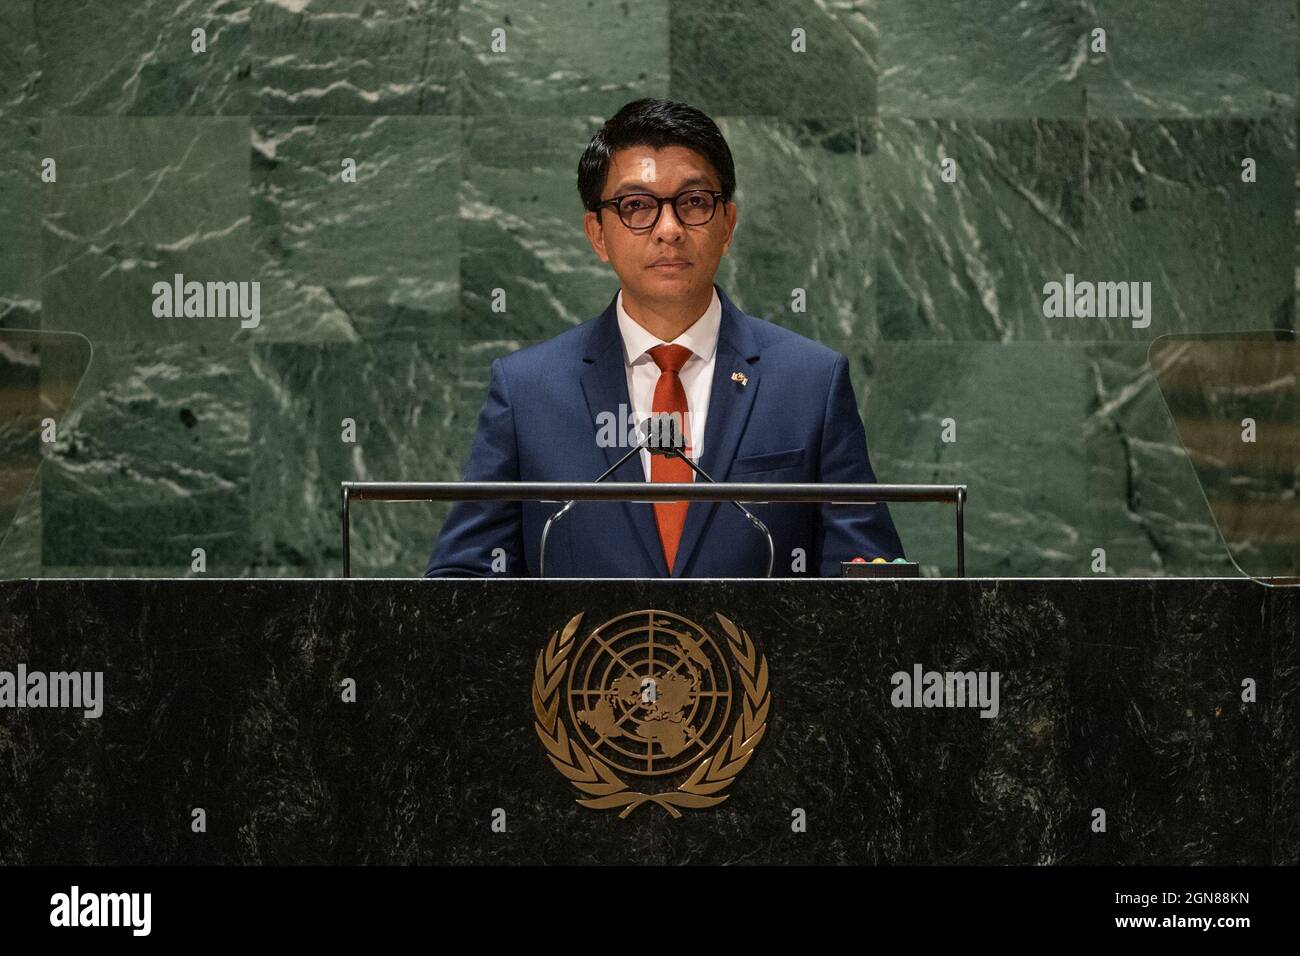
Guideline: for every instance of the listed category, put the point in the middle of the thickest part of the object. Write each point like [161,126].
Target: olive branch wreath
[594,776]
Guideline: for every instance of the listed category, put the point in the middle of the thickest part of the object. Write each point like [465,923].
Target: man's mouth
[671,265]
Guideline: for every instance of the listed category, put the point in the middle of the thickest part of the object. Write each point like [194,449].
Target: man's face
[640,257]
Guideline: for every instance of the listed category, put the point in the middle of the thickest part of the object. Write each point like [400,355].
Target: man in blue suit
[757,401]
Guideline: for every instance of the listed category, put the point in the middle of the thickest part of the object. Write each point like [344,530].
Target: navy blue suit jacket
[794,420]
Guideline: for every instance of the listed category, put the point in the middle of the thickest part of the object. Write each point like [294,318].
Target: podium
[393,721]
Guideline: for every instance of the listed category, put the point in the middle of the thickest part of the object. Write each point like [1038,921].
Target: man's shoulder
[552,356]
[771,338]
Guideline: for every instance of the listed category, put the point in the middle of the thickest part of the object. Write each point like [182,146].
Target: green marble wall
[225,165]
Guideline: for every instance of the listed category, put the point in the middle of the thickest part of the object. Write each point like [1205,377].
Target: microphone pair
[661,434]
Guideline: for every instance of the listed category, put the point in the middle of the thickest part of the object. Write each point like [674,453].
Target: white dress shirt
[696,375]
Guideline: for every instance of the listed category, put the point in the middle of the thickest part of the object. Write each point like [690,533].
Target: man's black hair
[657,124]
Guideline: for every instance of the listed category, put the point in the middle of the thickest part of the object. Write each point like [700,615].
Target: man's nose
[669,227]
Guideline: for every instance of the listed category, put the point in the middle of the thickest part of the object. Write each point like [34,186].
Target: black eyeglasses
[694,207]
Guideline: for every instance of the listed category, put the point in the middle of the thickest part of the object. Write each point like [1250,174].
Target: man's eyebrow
[637,186]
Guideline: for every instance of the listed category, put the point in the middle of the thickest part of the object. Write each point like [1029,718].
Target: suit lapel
[604,384]
[729,407]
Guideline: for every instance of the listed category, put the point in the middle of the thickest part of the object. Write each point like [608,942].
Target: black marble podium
[1119,694]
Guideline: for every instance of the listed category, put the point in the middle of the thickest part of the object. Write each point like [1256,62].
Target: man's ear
[732,212]
[591,224]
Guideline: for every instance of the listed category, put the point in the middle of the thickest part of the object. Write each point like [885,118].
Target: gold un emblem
[651,698]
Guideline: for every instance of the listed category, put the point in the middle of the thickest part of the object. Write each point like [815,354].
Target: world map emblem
[650,707]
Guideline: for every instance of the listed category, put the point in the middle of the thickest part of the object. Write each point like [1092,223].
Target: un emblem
[655,697]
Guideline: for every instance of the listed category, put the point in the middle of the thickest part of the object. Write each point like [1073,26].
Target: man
[757,402]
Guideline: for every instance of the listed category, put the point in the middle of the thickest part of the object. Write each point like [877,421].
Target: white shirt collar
[701,337]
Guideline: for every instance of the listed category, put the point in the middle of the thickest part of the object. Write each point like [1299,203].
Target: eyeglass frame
[662,201]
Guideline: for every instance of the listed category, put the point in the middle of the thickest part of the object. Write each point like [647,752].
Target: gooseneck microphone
[674,447]
[655,427]
[662,436]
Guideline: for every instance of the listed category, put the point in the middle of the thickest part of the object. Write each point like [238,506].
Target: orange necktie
[670,396]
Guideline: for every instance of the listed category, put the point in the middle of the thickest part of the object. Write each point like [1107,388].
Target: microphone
[675,446]
[654,427]
[662,436]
